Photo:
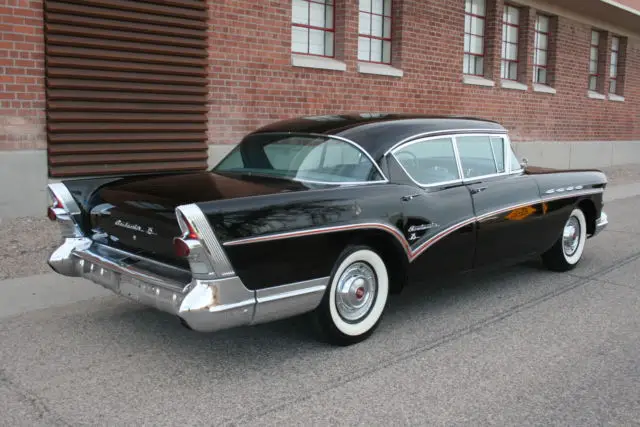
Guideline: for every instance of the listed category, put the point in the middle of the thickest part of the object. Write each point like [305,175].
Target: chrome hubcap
[356,291]
[571,236]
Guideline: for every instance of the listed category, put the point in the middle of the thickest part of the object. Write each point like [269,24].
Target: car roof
[379,132]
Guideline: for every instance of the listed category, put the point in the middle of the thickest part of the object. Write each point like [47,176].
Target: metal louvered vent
[126,86]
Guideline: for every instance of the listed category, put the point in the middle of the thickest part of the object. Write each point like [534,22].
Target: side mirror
[524,162]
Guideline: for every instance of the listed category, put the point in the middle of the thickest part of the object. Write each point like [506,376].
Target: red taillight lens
[181,248]
[51,214]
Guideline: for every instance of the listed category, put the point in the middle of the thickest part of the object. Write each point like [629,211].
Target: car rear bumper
[601,223]
[203,305]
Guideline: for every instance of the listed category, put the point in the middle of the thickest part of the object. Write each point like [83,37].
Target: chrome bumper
[601,223]
[204,305]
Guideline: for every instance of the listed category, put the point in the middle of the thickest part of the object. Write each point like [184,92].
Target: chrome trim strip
[108,250]
[412,254]
[220,263]
[444,132]
[434,239]
[289,300]
[323,230]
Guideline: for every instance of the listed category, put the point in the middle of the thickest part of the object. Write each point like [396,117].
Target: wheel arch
[391,252]
[589,208]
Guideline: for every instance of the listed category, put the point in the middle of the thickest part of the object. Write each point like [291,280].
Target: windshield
[304,158]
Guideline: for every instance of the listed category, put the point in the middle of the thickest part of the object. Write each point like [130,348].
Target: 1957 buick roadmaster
[325,215]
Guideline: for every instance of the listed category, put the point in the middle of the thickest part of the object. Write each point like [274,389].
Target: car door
[438,218]
[506,202]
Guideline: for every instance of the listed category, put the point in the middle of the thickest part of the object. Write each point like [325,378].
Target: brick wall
[253,83]
[22,93]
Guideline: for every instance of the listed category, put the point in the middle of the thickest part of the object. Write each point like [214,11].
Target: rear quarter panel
[251,229]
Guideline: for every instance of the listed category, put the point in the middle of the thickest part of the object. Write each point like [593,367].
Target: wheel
[353,304]
[566,253]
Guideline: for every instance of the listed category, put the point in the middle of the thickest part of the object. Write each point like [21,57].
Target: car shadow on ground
[275,342]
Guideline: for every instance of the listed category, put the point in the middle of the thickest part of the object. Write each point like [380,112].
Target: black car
[327,215]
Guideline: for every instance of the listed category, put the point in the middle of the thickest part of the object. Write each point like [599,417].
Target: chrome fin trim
[215,253]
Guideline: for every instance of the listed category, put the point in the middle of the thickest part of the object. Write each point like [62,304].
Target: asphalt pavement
[521,346]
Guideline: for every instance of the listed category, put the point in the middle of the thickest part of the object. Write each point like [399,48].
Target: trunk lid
[137,213]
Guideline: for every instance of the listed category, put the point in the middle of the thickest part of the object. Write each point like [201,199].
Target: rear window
[304,158]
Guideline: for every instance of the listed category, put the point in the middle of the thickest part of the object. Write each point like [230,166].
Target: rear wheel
[566,253]
[354,302]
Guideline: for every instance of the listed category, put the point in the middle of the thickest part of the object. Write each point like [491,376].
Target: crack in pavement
[435,343]
[40,408]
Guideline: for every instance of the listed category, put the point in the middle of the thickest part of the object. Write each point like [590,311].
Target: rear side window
[320,159]
[429,162]
[481,155]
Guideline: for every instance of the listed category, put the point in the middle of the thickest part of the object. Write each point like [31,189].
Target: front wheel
[566,253]
[354,302]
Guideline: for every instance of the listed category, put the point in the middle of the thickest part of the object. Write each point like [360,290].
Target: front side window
[479,156]
[593,60]
[374,41]
[302,158]
[429,162]
[541,52]
[510,34]
[474,28]
[613,71]
[312,30]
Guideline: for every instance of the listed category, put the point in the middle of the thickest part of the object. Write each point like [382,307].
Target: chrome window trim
[362,150]
[509,150]
[451,132]
[326,136]
[493,153]
[437,184]
[454,137]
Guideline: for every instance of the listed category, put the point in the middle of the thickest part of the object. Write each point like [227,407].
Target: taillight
[181,248]
[182,245]
[57,205]
[51,214]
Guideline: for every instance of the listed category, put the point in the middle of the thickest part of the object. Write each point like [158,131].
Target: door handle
[477,190]
[409,197]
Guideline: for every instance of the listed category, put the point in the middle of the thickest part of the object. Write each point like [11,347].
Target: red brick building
[110,86]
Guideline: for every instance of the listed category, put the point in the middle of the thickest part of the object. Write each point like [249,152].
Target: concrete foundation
[23,174]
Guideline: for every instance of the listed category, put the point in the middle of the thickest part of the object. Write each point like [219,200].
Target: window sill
[595,95]
[539,87]
[318,62]
[510,84]
[477,80]
[616,98]
[379,69]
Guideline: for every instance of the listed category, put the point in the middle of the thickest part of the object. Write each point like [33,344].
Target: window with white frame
[541,52]
[474,28]
[374,41]
[613,70]
[312,30]
[593,60]
[510,34]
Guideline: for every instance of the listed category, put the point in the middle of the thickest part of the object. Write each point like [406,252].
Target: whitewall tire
[567,252]
[356,297]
